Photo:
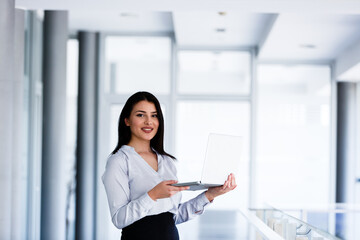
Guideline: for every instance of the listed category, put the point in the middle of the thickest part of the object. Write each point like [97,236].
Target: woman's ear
[127,123]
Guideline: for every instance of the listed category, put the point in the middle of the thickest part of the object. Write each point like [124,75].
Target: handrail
[260,225]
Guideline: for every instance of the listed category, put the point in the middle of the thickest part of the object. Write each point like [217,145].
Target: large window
[212,96]
[138,63]
[211,93]
[293,134]
[214,72]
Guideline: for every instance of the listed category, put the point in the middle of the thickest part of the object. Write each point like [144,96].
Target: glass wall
[212,96]
[214,72]
[137,63]
[357,164]
[211,92]
[293,134]
[33,97]
[201,92]
[71,130]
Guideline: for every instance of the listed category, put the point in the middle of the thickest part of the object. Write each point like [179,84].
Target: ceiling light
[128,14]
[307,46]
[220,30]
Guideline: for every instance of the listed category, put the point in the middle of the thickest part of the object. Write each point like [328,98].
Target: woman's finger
[224,186]
[169,182]
[233,182]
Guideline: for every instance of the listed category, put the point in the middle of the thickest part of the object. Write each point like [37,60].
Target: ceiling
[281,30]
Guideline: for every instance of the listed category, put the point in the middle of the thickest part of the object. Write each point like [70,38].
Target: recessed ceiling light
[307,46]
[222,13]
[220,30]
[128,14]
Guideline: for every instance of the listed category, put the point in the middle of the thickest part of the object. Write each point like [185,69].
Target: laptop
[223,154]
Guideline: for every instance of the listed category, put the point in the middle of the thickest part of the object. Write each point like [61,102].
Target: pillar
[53,189]
[19,161]
[7,21]
[86,137]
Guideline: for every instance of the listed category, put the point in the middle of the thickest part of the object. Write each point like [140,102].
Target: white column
[19,164]
[7,17]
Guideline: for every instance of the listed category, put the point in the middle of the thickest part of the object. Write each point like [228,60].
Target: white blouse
[128,178]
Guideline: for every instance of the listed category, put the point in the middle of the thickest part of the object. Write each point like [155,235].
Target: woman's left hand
[228,186]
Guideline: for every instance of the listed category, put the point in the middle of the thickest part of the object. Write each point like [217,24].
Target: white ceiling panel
[316,37]
[304,31]
[219,29]
[117,21]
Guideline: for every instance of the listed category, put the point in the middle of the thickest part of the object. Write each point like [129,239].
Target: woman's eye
[140,115]
[155,116]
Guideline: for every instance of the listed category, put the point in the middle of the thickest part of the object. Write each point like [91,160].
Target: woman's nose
[148,121]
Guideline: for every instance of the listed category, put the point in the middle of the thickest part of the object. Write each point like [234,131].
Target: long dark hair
[124,133]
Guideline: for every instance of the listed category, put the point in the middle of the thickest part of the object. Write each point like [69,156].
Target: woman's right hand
[165,190]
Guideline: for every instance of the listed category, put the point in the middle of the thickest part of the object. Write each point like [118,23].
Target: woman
[139,176]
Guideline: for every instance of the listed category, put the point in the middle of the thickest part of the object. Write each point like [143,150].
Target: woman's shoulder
[118,159]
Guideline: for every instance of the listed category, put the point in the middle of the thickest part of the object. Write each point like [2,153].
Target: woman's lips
[147,130]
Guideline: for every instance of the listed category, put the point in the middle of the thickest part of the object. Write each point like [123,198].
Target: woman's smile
[143,121]
[147,129]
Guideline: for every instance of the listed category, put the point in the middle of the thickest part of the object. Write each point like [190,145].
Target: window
[293,134]
[208,72]
[137,63]
[71,130]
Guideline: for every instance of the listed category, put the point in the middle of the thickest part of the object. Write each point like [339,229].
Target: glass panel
[205,72]
[71,127]
[195,120]
[309,224]
[357,164]
[293,134]
[137,64]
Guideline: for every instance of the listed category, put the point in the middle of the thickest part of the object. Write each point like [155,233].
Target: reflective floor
[217,225]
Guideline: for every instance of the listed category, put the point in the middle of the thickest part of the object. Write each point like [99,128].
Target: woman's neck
[140,146]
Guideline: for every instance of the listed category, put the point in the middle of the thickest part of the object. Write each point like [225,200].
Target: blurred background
[284,75]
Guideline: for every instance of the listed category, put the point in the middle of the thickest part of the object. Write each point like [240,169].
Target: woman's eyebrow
[142,111]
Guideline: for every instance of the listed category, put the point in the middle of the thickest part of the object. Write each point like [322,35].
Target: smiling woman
[143,122]
[139,176]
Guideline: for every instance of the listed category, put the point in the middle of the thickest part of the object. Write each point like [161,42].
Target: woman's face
[143,121]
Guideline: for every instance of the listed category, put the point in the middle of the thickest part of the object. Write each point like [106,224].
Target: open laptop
[222,158]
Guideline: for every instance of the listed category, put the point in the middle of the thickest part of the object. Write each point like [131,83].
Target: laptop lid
[223,155]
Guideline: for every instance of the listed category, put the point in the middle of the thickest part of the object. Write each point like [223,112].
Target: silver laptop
[222,158]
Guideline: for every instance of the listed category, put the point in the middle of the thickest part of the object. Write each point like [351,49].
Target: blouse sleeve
[189,209]
[192,208]
[116,181]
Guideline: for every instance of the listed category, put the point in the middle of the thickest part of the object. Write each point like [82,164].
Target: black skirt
[157,227]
